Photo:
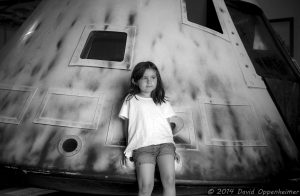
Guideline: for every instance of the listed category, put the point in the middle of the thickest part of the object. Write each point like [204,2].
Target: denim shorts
[149,154]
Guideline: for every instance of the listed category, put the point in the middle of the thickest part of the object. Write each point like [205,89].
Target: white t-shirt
[147,122]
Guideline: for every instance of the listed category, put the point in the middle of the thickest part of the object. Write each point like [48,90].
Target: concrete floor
[16,185]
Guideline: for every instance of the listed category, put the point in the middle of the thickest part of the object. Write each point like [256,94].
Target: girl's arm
[177,157]
[125,129]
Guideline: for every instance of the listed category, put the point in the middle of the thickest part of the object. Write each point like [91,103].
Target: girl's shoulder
[128,97]
[165,103]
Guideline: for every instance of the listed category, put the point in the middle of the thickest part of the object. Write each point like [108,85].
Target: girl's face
[148,82]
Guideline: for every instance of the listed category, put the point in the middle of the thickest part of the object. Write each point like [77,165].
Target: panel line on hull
[60,107]
[15,96]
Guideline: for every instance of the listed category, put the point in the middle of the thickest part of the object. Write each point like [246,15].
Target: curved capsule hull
[65,73]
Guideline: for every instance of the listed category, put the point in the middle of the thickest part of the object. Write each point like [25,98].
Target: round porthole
[69,145]
[177,124]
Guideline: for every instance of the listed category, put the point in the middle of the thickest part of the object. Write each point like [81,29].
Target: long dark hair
[158,94]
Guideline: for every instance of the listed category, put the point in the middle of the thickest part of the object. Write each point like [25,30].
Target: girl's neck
[145,95]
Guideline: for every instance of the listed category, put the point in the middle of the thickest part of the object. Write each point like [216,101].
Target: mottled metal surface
[198,67]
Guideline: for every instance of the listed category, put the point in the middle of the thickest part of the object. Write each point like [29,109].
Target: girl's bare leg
[145,176]
[166,167]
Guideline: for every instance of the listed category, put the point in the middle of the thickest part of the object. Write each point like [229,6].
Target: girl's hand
[177,157]
[124,160]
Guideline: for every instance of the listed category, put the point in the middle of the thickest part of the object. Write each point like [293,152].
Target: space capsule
[232,84]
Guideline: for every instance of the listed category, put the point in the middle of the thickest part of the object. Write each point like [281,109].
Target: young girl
[150,140]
